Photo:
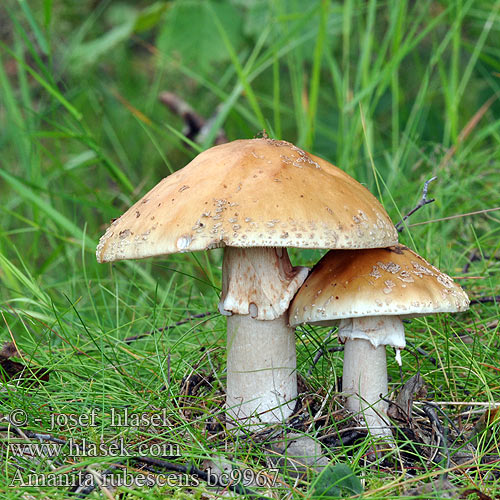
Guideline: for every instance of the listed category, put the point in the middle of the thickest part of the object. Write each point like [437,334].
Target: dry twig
[485,300]
[196,127]
[423,201]
[320,352]
[475,256]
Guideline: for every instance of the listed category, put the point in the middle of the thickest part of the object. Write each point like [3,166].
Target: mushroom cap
[376,282]
[250,193]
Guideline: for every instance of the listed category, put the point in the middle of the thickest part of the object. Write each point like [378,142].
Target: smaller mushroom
[369,292]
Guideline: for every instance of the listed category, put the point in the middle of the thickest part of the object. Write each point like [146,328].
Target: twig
[423,201]
[128,340]
[423,352]
[450,421]
[178,106]
[476,256]
[473,257]
[97,478]
[26,434]
[485,300]
[44,437]
[87,490]
[430,411]
[190,469]
[354,433]
[464,403]
[477,212]
[196,127]
[320,351]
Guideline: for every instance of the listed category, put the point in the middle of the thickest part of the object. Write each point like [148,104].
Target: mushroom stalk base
[364,379]
[261,375]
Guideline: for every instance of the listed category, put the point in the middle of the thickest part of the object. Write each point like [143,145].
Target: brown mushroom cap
[376,282]
[250,193]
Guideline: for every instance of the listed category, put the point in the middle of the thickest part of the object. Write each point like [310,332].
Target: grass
[392,92]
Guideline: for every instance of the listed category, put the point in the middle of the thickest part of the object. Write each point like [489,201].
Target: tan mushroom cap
[250,193]
[376,282]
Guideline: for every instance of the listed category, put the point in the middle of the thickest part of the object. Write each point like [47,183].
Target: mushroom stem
[364,379]
[257,287]
[261,370]
[364,376]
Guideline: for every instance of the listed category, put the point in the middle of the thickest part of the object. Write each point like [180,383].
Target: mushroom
[369,292]
[254,198]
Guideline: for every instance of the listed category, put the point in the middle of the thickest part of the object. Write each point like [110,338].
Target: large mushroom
[369,292]
[254,198]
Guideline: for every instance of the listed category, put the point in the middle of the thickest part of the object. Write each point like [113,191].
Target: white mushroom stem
[364,378]
[365,386]
[257,287]
[261,370]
